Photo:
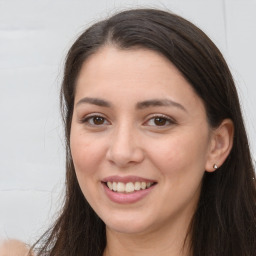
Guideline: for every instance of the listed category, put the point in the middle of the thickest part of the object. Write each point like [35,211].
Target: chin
[128,225]
[126,229]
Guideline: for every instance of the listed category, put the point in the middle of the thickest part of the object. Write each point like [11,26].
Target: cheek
[86,152]
[86,158]
[180,155]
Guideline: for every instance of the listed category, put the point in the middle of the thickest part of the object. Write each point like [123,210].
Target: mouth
[128,187]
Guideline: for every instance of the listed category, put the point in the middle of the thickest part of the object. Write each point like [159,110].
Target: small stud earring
[215,166]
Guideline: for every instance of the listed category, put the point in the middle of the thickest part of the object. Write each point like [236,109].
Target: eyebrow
[159,103]
[94,101]
[139,105]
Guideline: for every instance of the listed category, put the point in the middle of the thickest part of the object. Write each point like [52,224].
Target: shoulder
[14,247]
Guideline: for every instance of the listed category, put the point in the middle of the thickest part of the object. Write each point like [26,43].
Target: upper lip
[126,179]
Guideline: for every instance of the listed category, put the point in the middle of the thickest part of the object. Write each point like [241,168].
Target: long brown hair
[224,223]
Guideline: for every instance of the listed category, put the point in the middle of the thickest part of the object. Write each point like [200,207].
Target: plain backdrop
[34,39]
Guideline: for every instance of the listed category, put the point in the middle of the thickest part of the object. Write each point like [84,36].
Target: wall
[34,38]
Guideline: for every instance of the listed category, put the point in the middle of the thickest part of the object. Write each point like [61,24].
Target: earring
[215,166]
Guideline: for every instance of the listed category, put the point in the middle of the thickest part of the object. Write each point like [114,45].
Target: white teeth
[128,187]
[137,185]
[114,187]
[120,187]
[143,185]
[110,185]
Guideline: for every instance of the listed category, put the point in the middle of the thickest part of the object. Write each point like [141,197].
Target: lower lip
[127,198]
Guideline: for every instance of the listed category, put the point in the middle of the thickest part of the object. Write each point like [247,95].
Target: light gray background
[34,38]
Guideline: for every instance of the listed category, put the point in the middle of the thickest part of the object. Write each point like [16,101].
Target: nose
[124,147]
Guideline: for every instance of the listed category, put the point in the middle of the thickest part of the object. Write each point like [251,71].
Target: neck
[171,241]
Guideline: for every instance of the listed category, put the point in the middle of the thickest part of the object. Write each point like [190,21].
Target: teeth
[110,185]
[120,187]
[128,187]
[137,185]
[114,187]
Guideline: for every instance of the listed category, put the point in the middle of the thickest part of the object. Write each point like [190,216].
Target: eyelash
[163,118]
[92,118]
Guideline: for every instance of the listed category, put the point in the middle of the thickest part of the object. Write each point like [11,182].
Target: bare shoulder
[14,247]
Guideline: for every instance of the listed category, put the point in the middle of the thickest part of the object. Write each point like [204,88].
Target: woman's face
[138,128]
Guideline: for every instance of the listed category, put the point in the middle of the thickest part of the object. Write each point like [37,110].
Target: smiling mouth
[129,187]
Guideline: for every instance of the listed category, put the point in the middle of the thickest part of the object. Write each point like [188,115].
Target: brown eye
[98,120]
[95,120]
[160,121]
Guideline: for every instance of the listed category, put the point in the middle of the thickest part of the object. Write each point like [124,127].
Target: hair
[224,222]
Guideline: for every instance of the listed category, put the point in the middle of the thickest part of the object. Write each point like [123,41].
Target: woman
[157,156]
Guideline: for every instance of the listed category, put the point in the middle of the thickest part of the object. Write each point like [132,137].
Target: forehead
[137,74]
[116,64]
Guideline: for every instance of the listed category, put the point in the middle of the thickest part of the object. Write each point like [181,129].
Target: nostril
[125,156]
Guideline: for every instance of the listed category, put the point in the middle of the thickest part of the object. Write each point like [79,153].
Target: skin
[174,150]
[14,247]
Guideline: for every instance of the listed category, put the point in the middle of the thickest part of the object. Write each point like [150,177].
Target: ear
[220,146]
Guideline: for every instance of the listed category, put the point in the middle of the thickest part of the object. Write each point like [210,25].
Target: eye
[160,120]
[95,120]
